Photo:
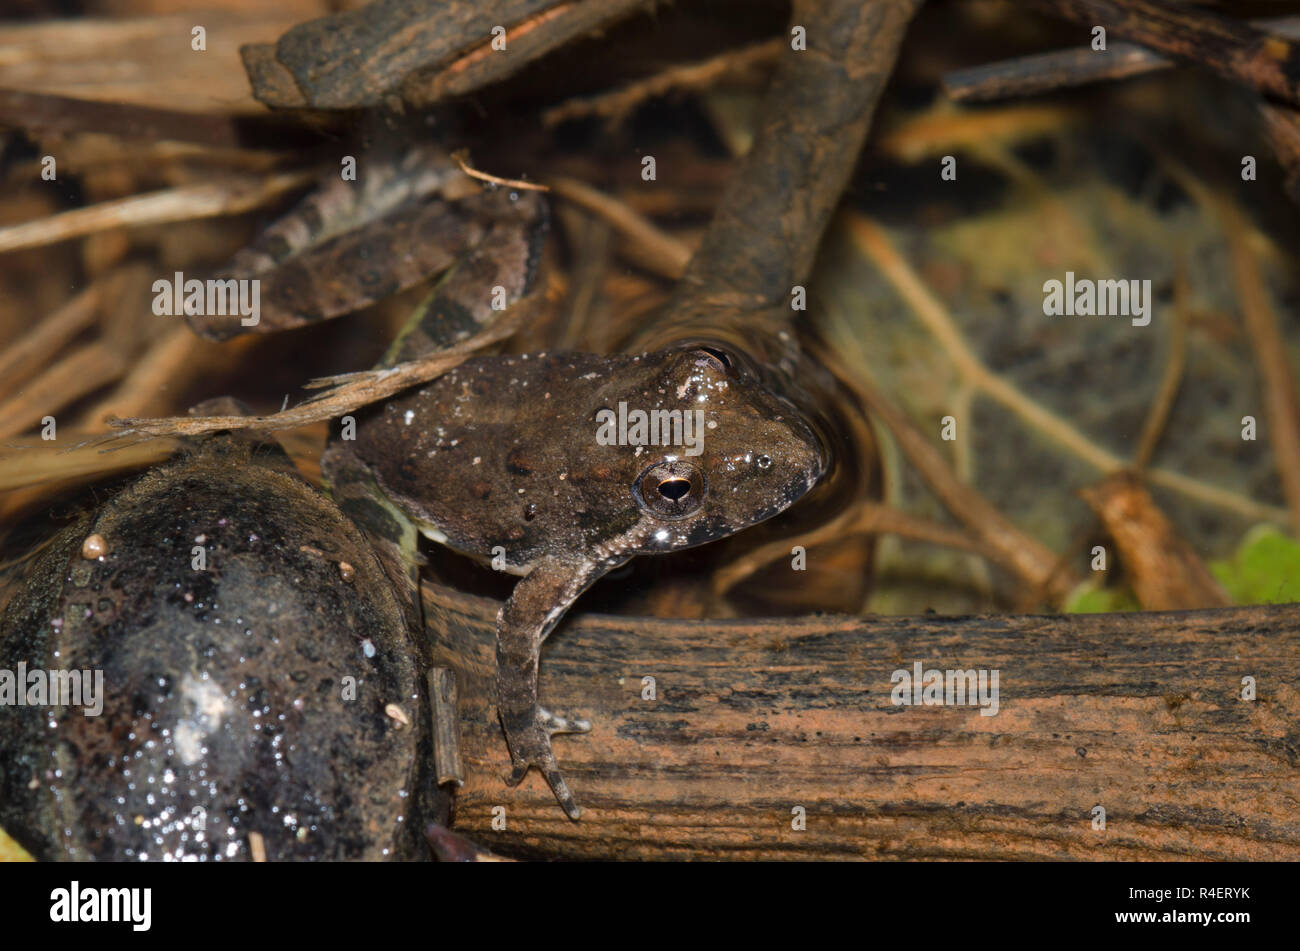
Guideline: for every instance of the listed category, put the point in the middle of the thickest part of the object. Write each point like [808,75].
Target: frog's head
[750,455]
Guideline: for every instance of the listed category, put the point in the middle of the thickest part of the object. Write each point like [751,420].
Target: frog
[502,458]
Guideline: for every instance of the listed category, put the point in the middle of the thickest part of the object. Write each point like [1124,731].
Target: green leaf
[1088,598]
[1264,570]
[11,851]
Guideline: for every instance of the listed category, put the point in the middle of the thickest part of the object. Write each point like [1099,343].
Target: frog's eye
[719,360]
[671,489]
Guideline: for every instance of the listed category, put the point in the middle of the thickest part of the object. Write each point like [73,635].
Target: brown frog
[514,457]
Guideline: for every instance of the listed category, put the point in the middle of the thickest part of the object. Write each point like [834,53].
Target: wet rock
[248,678]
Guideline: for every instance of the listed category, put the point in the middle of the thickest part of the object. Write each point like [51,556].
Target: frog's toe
[517,774]
[554,724]
[562,794]
[533,748]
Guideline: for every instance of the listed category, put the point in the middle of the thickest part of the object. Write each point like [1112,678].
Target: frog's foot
[530,745]
[537,604]
[553,724]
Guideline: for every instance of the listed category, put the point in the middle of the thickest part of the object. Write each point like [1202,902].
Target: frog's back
[502,453]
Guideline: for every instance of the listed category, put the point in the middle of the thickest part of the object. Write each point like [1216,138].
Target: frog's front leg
[538,603]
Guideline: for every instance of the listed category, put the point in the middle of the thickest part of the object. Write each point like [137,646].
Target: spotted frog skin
[500,456]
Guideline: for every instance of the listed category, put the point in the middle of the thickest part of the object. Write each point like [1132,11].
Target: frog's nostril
[674,488]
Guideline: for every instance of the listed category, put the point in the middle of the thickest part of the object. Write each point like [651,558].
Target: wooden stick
[768,227]
[342,393]
[1265,62]
[1164,570]
[615,106]
[528,39]
[33,461]
[1271,356]
[48,113]
[423,50]
[1049,72]
[1171,377]
[1020,553]
[173,204]
[78,374]
[1282,127]
[1137,713]
[23,358]
[645,242]
[1078,66]
[866,517]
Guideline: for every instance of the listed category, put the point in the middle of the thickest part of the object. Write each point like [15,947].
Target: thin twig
[1237,51]
[1025,556]
[865,517]
[1267,341]
[22,358]
[461,158]
[76,375]
[1077,66]
[173,204]
[29,461]
[1272,358]
[645,243]
[942,129]
[346,392]
[1172,377]
[616,105]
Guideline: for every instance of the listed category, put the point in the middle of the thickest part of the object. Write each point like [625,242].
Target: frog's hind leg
[344,248]
[538,603]
[391,534]
[496,271]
